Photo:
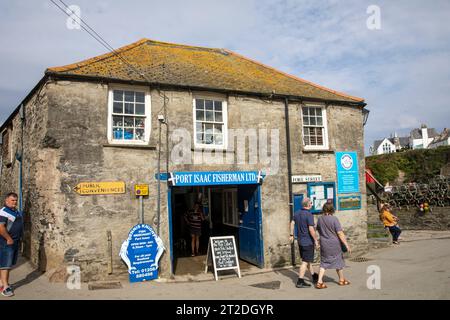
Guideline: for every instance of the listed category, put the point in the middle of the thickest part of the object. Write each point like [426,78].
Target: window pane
[218,117]
[140,108]
[118,95]
[305,120]
[117,121]
[200,115]
[140,97]
[129,96]
[139,122]
[218,139]
[117,133]
[312,121]
[209,138]
[209,128]
[128,134]
[128,121]
[319,121]
[198,127]
[312,111]
[318,112]
[209,105]
[217,128]
[313,140]
[199,104]
[139,134]
[129,108]
[218,105]
[209,116]
[199,137]
[118,107]
[307,140]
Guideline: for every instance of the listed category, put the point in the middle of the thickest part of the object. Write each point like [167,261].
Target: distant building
[390,145]
[421,138]
[442,139]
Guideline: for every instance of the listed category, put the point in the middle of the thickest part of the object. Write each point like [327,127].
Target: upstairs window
[129,116]
[386,148]
[314,128]
[210,123]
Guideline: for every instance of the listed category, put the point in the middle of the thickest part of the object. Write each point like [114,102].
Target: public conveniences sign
[180,179]
[86,188]
[141,252]
[347,172]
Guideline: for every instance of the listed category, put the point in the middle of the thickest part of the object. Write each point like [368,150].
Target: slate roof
[441,137]
[198,67]
[417,133]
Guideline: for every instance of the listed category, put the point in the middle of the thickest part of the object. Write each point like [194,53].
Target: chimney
[424,136]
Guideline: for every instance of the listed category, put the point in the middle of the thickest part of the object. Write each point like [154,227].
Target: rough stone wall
[68,139]
[345,133]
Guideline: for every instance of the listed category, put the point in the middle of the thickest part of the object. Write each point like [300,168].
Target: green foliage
[419,165]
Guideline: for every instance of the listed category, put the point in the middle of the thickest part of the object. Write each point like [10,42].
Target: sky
[401,69]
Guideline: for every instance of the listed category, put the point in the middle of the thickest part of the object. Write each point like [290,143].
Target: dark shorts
[195,232]
[8,255]
[307,253]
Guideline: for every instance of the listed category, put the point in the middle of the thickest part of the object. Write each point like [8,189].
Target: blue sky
[402,70]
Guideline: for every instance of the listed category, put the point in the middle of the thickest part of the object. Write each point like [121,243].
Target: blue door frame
[250,226]
[252,247]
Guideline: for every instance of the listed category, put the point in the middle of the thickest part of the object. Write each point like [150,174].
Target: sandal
[344,282]
[321,285]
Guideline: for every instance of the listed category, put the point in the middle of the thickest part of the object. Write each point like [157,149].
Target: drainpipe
[19,156]
[289,167]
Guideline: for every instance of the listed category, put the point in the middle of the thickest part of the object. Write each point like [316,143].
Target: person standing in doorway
[11,229]
[194,219]
[307,240]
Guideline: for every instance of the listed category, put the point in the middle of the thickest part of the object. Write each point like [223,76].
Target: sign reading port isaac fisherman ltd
[141,253]
[181,179]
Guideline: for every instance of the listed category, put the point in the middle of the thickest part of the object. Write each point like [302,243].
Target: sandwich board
[222,251]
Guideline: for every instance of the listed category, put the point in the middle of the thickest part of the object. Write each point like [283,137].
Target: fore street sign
[87,188]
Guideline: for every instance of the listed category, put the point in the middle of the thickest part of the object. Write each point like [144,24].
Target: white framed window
[129,111]
[386,148]
[314,124]
[230,208]
[210,123]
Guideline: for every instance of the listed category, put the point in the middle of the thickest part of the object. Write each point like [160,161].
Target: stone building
[117,117]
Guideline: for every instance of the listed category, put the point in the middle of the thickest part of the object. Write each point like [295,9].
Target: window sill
[317,150]
[129,146]
[212,150]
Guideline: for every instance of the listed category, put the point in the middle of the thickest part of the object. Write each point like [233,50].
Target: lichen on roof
[209,68]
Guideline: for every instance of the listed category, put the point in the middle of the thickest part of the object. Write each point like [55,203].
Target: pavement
[415,269]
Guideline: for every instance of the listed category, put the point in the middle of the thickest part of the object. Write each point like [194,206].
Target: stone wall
[66,143]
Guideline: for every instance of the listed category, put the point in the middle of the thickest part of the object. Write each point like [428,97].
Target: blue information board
[141,252]
[347,172]
[181,179]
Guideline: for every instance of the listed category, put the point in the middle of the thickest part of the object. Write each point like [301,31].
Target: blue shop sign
[347,172]
[181,179]
[141,252]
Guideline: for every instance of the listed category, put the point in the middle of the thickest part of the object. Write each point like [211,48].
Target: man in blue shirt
[11,228]
[307,240]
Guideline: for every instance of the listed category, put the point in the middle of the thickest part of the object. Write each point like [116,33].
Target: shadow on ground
[28,279]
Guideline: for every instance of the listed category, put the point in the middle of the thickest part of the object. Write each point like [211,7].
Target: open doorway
[224,216]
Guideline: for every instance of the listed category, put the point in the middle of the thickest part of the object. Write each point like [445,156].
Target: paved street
[416,269]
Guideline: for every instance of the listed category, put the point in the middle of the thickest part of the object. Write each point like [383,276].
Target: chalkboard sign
[222,251]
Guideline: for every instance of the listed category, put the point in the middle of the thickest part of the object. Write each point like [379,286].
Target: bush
[419,165]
